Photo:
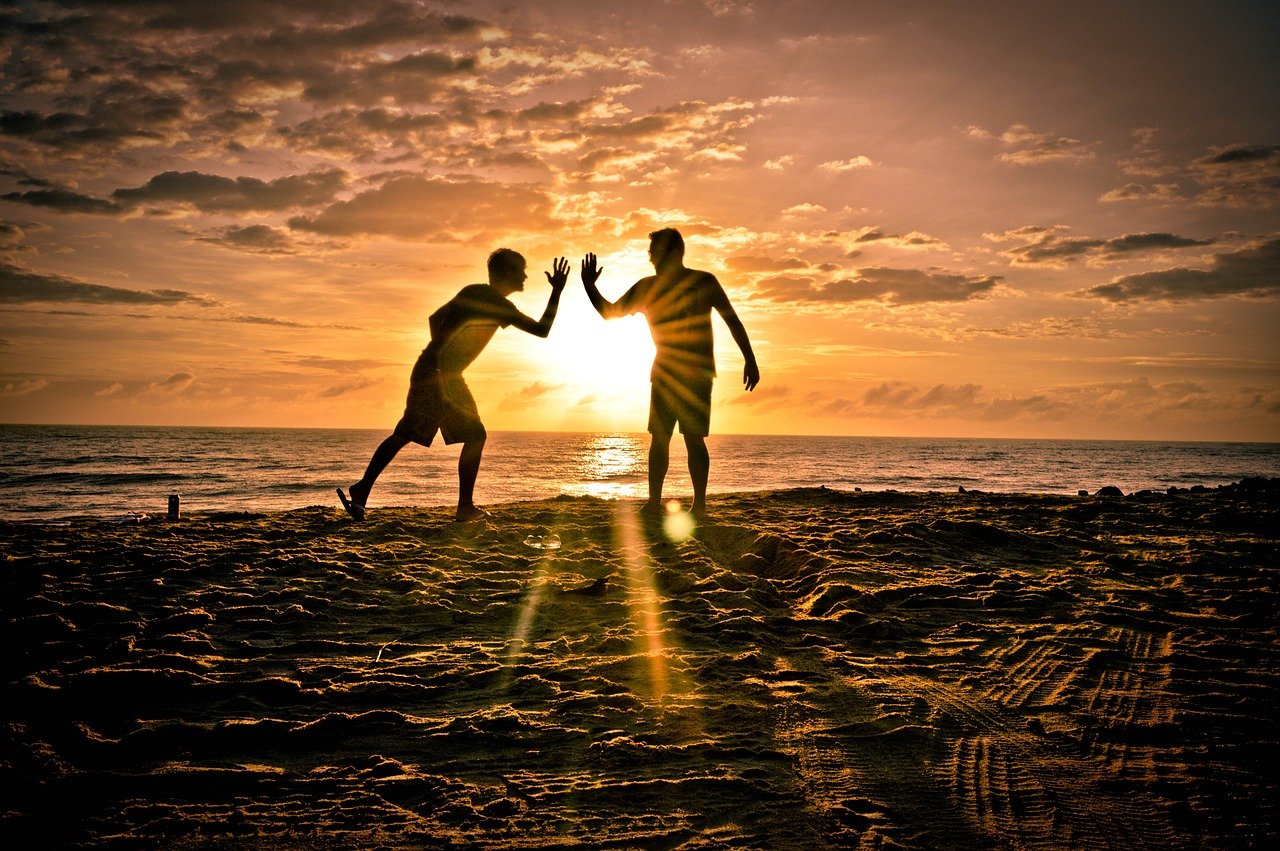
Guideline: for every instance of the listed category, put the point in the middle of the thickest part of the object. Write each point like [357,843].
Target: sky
[934,219]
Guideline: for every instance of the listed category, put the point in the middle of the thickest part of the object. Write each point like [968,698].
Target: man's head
[666,248]
[507,270]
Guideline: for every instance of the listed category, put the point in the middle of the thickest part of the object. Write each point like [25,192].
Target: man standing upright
[678,302]
[439,399]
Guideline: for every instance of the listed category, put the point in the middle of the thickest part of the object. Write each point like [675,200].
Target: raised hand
[561,276]
[590,273]
[750,375]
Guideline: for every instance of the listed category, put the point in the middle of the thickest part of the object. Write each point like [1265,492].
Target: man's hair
[504,261]
[668,241]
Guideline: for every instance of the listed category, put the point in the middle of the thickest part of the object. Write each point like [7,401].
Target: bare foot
[653,509]
[699,511]
[467,513]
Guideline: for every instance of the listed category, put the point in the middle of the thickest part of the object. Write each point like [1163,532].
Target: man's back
[465,324]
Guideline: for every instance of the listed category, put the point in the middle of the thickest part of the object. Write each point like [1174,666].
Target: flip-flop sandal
[355,509]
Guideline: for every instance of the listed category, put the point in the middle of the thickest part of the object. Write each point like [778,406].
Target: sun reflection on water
[612,467]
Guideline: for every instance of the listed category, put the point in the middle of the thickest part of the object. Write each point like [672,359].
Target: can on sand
[174,502]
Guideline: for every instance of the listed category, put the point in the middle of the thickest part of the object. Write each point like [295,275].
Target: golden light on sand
[650,639]
[677,525]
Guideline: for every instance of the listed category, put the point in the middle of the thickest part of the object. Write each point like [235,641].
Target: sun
[610,360]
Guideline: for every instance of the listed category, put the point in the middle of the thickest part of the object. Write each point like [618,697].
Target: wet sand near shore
[810,669]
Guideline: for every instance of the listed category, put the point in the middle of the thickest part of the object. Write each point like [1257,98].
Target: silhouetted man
[678,302]
[439,399]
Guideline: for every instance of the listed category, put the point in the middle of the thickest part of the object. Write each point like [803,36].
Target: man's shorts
[439,401]
[684,399]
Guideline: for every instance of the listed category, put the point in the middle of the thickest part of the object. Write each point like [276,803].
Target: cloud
[754,263]
[914,239]
[1160,192]
[852,164]
[212,193]
[256,239]
[1138,399]
[521,399]
[422,208]
[64,201]
[805,209]
[781,163]
[1252,271]
[19,286]
[769,396]
[1048,248]
[15,389]
[1238,176]
[1243,176]
[174,385]
[890,287]
[110,390]
[415,78]
[349,387]
[1026,147]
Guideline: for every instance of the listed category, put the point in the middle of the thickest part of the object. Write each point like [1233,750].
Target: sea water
[61,472]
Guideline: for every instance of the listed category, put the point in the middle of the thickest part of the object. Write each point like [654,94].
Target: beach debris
[175,503]
[550,541]
[132,517]
[1082,492]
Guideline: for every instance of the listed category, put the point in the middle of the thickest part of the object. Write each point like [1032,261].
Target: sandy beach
[811,669]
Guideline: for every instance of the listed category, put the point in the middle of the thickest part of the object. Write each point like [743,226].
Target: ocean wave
[95,479]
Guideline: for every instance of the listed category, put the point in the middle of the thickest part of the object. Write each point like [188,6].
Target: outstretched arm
[542,327]
[750,372]
[590,274]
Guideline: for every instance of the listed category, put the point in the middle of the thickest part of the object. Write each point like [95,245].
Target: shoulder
[639,290]
[709,285]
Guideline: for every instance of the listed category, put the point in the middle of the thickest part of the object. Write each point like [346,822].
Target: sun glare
[607,357]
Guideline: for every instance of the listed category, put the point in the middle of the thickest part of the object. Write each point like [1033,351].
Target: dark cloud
[915,239]
[1251,271]
[216,194]
[364,133]
[21,286]
[416,78]
[1050,249]
[893,287]
[421,208]
[258,239]
[754,263]
[64,201]
[1133,400]
[1239,176]
[1247,154]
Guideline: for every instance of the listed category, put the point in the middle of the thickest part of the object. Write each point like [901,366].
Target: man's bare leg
[382,456]
[659,460]
[699,471]
[468,470]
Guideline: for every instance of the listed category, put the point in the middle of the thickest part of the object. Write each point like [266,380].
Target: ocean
[107,472]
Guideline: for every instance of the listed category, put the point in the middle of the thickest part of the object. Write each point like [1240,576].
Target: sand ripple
[814,669]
